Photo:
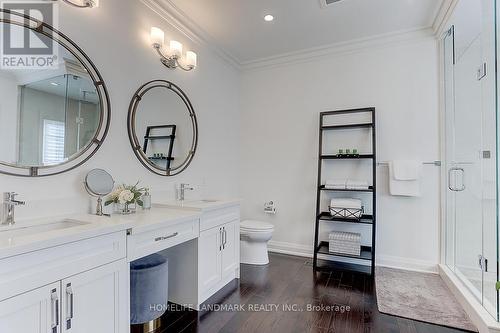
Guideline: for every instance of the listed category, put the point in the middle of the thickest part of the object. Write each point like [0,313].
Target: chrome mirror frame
[28,22]
[134,141]
[93,193]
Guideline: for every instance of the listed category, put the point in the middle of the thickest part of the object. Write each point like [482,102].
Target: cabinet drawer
[219,217]
[149,242]
[28,271]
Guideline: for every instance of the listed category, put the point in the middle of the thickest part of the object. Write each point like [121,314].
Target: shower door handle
[452,171]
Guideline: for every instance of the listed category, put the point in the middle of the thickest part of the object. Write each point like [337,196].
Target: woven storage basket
[345,243]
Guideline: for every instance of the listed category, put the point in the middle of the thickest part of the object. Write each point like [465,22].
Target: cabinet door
[37,311]
[209,258]
[97,300]
[230,249]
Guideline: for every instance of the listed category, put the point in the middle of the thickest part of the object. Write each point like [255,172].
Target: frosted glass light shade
[175,48]
[191,59]
[157,36]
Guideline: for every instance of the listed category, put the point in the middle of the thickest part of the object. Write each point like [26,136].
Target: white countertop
[92,226]
[198,205]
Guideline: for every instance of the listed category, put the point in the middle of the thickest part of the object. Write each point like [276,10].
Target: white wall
[279,133]
[116,37]
[8,115]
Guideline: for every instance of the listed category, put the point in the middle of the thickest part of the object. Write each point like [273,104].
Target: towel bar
[436,163]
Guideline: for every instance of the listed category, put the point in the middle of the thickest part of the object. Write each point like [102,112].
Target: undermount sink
[191,204]
[26,230]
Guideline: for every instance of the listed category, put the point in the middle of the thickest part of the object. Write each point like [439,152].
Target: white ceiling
[237,26]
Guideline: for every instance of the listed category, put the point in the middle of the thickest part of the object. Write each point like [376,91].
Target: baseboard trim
[408,264]
[290,248]
[382,260]
[478,315]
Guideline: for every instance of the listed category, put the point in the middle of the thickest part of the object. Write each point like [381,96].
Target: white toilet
[254,236]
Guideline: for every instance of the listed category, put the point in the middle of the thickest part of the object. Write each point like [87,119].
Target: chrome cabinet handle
[157,239]
[224,237]
[54,300]
[454,188]
[221,237]
[449,179]
[69,305]
[462,188]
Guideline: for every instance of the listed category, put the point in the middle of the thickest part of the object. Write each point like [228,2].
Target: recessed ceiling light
[268,18]
[54,84]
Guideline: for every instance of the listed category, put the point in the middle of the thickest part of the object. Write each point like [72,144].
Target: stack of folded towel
[356,184]
[336,184]
[346,184]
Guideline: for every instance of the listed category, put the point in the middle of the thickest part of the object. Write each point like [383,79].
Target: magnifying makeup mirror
[99,183]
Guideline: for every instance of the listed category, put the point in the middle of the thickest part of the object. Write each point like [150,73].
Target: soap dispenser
[146,199]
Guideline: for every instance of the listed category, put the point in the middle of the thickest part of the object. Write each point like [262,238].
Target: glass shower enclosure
[470,149]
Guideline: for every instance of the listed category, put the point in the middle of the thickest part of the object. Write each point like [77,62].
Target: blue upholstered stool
[148,288]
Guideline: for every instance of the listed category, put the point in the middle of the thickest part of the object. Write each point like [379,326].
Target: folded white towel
[335,187]
[336,182]
[408,187]
[353,182]
[356,184]
[357,187]
[346,203]
[406,169]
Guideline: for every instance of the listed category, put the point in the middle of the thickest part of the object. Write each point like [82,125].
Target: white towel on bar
[407,182]
[406,169]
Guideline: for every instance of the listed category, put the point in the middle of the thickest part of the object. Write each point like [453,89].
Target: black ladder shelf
[171,137]
[321,247]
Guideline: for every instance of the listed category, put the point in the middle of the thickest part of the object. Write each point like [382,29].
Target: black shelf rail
[346,157]
[323,188]
[347,126]
[321,247]
[365,219]
[148,137]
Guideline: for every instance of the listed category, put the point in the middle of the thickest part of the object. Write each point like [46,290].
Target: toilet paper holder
[270,207]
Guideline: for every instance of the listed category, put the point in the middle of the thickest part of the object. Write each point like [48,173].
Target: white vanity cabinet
[218,250]
[95,301]
[34,311]
[88,289]
[209,258]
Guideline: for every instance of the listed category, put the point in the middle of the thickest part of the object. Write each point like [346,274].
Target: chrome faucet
[9,202]
[181,191]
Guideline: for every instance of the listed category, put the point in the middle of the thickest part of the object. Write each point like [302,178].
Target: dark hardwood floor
[290,281]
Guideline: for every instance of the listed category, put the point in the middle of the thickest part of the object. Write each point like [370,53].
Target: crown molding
[443,15]
[342,48]
[181,22]
[184,24]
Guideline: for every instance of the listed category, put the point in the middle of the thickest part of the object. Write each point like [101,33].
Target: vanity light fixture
[82,3]
[173,58]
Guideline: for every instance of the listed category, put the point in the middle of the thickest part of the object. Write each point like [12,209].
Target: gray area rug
[419,296]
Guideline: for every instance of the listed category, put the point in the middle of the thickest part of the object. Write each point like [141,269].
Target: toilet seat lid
[256,225]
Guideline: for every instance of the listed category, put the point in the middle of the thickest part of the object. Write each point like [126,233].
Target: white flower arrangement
[126,194]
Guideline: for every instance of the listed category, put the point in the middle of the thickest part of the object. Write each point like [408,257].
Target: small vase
[126,208]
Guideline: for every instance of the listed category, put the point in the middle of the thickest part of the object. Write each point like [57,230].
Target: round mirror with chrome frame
[90,85]
[99,183]
[160,112]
